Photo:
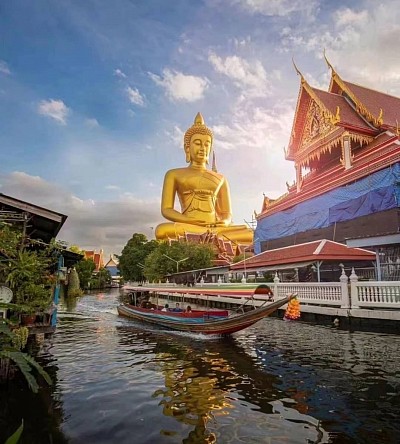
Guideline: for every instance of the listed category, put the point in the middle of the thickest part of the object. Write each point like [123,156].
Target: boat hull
[216,326]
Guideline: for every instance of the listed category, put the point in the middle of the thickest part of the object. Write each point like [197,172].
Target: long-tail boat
[209,322]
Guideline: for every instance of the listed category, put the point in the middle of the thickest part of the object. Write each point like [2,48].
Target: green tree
[133,257]
[10,240]
[85,268]
[102,278]
[75,249]
[157,264]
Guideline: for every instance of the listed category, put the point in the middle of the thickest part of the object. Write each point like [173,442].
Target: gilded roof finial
[328,63]
[297,69]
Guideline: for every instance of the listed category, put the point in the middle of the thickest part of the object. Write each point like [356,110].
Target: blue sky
[95,97]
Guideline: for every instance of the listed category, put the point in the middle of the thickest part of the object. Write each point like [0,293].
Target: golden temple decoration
[360,107]
[361,139]
[380,117]
[268,203]
[397,128]
[327,62]
[333,118]
[318,124]
[319,151]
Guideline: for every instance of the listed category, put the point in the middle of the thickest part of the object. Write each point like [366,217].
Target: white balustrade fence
[345,295]
[375,294]
[320,293]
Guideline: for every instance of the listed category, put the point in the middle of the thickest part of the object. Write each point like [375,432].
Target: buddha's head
[205,137]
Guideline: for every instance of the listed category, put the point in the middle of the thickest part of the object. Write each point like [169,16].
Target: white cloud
[134,96]
[368,40]
[92,123]
[251,77]
[251,145]
[55,109]
[255,128]
[181,87]
[279,7]
[176,136]
[241,43]
[91,224]
[119,73]
[348,17]
[112,187]
[4,69]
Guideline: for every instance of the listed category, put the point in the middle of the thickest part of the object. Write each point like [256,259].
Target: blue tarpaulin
[379,191]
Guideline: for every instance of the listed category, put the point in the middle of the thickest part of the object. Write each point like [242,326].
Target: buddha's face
[199,148]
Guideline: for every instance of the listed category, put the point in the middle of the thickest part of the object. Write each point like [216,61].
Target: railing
[356,294]
[313,293]
[375,294]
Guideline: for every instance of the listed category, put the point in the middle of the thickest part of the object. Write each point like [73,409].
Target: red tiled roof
[348,115]
[220,262]
[374,101]
[321,250]
[229,248]
[195,238]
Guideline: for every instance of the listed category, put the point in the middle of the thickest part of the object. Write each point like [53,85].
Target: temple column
[346,152]
[298,177]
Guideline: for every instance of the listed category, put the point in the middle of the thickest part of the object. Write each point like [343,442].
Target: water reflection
[211,384]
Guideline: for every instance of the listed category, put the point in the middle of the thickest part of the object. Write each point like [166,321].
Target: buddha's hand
[218,224]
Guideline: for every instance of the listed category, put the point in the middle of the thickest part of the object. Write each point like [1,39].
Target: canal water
[117,381]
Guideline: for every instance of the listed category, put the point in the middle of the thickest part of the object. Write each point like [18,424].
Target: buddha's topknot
[198,127]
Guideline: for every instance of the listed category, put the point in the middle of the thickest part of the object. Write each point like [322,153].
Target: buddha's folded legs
[235,233]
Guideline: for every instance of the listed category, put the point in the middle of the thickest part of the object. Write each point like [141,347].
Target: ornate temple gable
[319,128]
[313,121]
[319,123]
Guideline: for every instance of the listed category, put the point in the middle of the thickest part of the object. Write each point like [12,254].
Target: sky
[95,97]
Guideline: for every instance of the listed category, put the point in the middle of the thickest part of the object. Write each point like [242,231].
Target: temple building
[97,258]
[345,147]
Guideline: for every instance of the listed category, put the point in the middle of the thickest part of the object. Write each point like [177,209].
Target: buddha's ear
[187,155]
[209,154]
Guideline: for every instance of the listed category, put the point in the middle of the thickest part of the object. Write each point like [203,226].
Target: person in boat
[188,309]
[165,308]
[203,194]
[177,308]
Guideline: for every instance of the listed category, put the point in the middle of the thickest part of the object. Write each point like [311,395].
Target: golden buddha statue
[203,194]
